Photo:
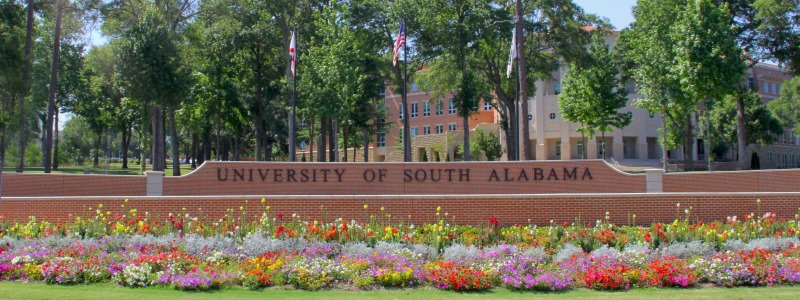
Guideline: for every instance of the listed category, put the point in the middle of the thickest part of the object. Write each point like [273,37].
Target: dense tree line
[210,79]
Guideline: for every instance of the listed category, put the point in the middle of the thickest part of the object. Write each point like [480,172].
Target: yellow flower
[263,200]
[438,209]
[758,201]
[126,201]
[267,208]
[381,208]
[366,206]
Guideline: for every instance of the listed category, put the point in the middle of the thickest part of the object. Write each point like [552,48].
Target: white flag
[293,55]
[512,55]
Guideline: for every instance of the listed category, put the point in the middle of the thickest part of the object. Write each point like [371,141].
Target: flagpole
[406,124]
[292,129]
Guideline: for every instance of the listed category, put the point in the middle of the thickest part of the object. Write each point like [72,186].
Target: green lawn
[14,290]
[112,169]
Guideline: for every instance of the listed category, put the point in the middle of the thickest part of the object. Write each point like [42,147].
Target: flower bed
[189,252]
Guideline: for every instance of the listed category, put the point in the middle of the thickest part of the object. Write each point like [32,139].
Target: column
[154,183]
[539,119]
[566,148]
[591,148]
[618,148]
[655,180]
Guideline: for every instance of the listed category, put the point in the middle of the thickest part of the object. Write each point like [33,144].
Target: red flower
[493,221]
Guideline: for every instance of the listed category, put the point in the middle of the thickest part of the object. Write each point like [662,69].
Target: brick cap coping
[452,196]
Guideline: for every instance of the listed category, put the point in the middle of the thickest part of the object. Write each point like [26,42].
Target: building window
[750,82]
[601,148]
[552,116]
[439,128]
[630,114]
[382,138]
[414,86]
[774,88]
[426,130]
[557,88]
[302,145]
[530,117]
[451,107]
[414,132]
[558,148]
[451,126]
[766,87]
[401,111]
[487,105]
[439,107]
[769,156]
[414,110]
[426,109]
[302,123]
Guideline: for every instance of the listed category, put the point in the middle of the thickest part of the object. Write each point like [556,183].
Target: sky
[617,11]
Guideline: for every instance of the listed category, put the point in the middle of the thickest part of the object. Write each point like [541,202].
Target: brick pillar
[655,180]
[155,183]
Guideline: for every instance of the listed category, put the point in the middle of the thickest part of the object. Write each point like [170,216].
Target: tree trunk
[523,87]
[332,153]
[688,138]
[321,145]
[345,136]
[126,141]
[466,138]
[741,133]
[173,131]
[259,136]
[194,151]
[366,145]
[96,156]
[311,139]
[26,77]
[664,139]
[603,143]
[55,143]
[157,138]
[51,106]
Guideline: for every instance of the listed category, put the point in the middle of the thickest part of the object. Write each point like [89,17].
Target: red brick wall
[205,180]
[460,209]
[748,181]
[36,185]
[601,179]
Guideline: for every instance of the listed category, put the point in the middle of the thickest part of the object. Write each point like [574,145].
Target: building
[768,80]
[431,118]
[553,138]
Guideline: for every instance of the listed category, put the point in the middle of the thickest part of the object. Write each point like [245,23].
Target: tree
[787,106]
[593,92]
[779,24]
[153,72]
[11,65]
[677,47]
[762,126]
[488,144]
[708,59]
[450,30]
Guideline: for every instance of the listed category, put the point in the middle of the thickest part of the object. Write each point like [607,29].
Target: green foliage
[787,106]
[489,144]
[593,92]
[151,63]
[761,124]
[778,31]
[424,156]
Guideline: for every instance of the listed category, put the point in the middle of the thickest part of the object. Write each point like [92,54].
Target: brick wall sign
[276,178]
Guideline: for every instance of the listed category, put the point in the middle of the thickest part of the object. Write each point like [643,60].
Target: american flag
[293,55]
[401,40]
